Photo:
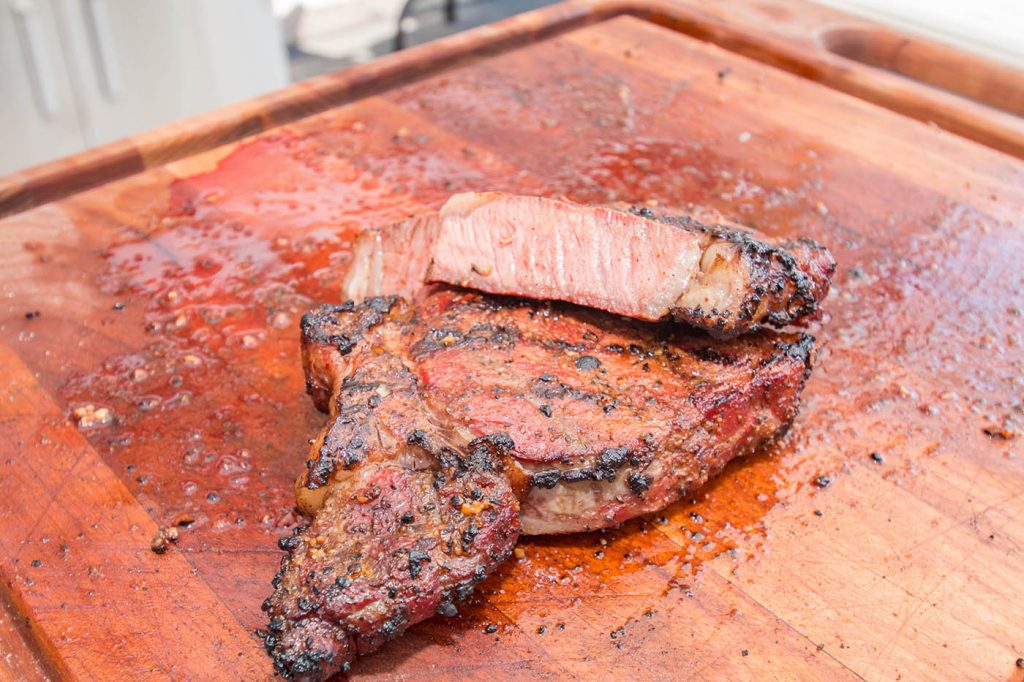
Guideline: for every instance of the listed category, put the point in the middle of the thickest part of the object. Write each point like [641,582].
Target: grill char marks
[459,424]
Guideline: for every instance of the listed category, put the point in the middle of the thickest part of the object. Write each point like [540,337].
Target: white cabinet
[38,118]
[123,66]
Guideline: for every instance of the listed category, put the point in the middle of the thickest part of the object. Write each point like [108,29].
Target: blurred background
[78,73]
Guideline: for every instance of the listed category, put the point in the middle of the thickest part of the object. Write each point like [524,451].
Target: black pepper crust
[802,349]
[340,327]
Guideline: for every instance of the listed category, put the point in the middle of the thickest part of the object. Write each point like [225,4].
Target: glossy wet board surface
[172,299]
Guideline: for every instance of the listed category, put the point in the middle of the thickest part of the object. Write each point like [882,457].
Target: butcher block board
[882,538]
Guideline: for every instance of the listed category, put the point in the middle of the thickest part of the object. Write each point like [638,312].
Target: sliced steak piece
[392,260]
[467,419]
[696,268]
[723,279]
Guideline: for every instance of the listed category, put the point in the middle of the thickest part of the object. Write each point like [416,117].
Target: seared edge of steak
[331,332]
[785,280]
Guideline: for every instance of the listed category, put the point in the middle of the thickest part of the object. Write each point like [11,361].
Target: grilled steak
[460,422]
[722,278]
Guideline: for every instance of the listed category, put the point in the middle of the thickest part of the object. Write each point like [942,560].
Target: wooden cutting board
[151,374]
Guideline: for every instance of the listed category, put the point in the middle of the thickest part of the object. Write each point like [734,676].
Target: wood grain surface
[170,298]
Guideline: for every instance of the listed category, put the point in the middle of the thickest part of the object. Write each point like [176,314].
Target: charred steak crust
[322,327]
[396,546]
[461,423]
[782,289]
